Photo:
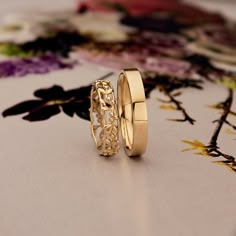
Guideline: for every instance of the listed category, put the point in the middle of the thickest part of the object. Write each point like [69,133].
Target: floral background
[175,45]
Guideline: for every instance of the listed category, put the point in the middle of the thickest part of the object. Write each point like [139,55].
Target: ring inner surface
[93,118]
[126,113]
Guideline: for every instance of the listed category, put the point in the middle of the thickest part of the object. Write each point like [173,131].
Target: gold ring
[132,112]
[104,118]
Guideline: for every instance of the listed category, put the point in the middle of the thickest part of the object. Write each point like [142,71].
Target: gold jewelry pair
[128,113]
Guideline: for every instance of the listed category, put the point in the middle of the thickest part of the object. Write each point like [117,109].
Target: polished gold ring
[132,112]
[104,118]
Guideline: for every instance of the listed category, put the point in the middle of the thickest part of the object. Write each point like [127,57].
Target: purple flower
[37,65]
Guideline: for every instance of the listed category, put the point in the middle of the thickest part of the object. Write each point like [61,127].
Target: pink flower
[133,7]
[184,12]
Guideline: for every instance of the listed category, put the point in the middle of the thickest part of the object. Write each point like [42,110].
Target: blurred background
[227,6]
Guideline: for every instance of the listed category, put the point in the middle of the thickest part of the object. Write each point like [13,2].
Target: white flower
[101,27]
[22,28]
[19,29]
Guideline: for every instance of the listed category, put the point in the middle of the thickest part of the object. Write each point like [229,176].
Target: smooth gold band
[132,112]
[104,118]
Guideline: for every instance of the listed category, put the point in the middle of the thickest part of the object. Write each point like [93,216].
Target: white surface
[53,183]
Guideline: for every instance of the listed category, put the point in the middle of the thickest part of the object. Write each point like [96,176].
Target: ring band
[104,118]
[132,112]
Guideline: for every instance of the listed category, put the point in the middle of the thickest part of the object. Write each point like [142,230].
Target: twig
[212,149]
[179,107]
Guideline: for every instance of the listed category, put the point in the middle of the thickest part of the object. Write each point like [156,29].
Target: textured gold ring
[132,112]
[104,118]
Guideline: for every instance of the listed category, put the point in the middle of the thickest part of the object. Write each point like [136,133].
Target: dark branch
[213,149]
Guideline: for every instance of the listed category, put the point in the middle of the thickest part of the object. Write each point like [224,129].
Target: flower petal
[22,107]
[81,109]
[43,113]
[79,93]
[54,92]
